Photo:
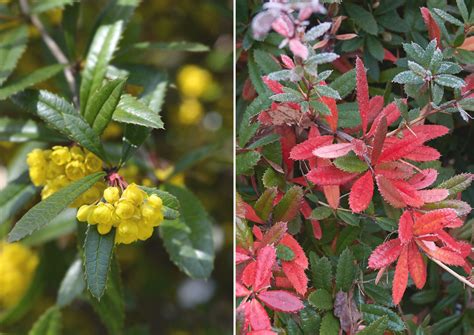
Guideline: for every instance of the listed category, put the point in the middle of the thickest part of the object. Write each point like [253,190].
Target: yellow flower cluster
[133,213]
[57,167]
[17,267]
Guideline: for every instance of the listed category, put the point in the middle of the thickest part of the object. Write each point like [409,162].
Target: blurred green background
[195,149]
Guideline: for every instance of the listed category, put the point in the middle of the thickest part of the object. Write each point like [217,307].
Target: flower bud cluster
[17,268]
[57,167]
[132,212]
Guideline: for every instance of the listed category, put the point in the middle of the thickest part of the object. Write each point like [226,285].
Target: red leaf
[329,175]
[385,254]
[306,210]
[257,316]
[426,131]
[342,65]
[317,232]
[423,179]
[435,195]
[361,193]
[287,61]
[423,154]
[281,301]
[248,274]
[416,266]
[266,257]
[396,148]
[283,282]
[333,118]
[247,211]
[408,193]
[394,170]
[296,276]
[389,192]
[241,291]
[389,56]
[274,234]
[452,244]
[333,150]
[433,28]
[262,332]
[405,228]
[273,85]
[298,48]
[288,141]
[434,221]
[443,255]
[332,194]
[300,256]
[362,93]
[379,139]
[240,257]
[400,279]
[304,150]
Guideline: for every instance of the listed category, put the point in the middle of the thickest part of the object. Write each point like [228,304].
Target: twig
[459,277]
[54,48]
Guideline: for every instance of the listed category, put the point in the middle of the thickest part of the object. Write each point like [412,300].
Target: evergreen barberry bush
[342,111]
[75,167]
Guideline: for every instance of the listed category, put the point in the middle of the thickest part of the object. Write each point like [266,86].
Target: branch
[54,48]
[459,277]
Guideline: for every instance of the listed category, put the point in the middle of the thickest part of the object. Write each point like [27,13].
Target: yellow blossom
[190,112]
[193,81]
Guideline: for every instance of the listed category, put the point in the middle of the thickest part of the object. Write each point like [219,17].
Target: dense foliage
[90,168]
[351,120]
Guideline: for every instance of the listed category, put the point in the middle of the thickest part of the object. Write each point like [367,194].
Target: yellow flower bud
[77,153]
[38,175]
[75,170]
[134,194]
[124,209]
[190,112]
[147,211]
[144,232]
[93,163]
[155,201]
[102,214]
[104,229]
[36,158]
[157,219]
[193,81]
[111,194]
[54,170]
[93,194]
[83,212]
[60,155]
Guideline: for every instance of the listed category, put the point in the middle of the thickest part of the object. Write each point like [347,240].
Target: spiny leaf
[48,324]
[350,163]
[321,213]
[377,327]
[164,46]
[284,253]
[246,161]
[266,257]
[345,272]
[281,301]
[329,325]
[102,105]
[362,17]
[361,193]
[321,299]
[345,83]
[310,321]
[98,252]
[264,204]
[289,205]
[362,93]
[131,110]
[98,57]
[12,45]
[14,196]
[373,312]
[49,208]
[457,183]
[31,79]
[321,270]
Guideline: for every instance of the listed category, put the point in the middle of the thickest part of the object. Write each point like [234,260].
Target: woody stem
[459,277]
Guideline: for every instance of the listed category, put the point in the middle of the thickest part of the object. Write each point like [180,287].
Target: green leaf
[379,294]
[48,209]
[60,115]
[351,163]
[362,17]
[320,107]
[98,252]
[407,77]
[457,183]
[48,324]
[445,325]
[345,272]
[271,178]
[33,78]
[467,104]
[131,110]
[449,81]
[255,76]
[12,45]
[98,58]
[377,327]
[321,213]
[102,105]
[289,205]
[111,307]
[246,161]
[243,234]
[246,129]
[329,325]
[317,31]
[321,299]
[188,239]
[310,321]
[194,157]
[463,10]
[170,202]
[18,130]
[321,58]
[72,284]
[284,253]
[448,17]
[321,269]
[63,224]
[40,6]
[373,312]
[348,217]
[264,141]
[375,47]
[164,46]
[265,61]
[264,204]
[346,237]
[345,83]
[15,196]
[327,91]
